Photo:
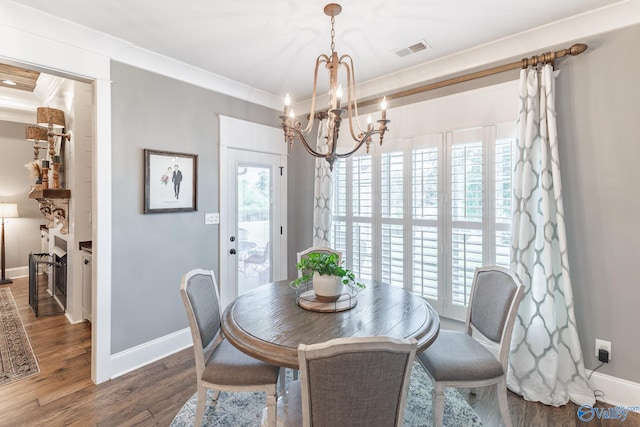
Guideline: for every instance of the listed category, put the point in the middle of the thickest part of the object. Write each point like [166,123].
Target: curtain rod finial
[577,49]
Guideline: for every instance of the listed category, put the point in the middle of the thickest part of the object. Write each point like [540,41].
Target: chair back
[259,258]
[320,249]
[360,381]
[200,297]
[495,297]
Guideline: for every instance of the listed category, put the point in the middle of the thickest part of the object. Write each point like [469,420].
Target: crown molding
[555,35]
[31,26]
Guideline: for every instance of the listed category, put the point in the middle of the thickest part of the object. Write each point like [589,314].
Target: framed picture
[170,181]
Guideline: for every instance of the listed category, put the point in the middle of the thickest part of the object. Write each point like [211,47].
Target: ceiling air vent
[414,48]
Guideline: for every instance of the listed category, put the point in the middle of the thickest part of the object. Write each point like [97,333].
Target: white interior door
[253,248]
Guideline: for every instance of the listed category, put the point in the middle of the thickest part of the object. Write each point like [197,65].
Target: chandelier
[293,129]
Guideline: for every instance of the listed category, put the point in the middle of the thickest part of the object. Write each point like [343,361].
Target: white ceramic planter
[327,288]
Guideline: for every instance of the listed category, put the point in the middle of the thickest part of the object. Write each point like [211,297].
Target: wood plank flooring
[62,394]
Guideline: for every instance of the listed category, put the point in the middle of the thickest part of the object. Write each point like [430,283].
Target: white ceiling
[272,46]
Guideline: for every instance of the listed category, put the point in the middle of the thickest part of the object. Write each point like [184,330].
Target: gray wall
[22,234]
[300,185]
[152,252]
[599,132]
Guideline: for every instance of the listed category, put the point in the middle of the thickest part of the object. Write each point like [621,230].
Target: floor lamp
[7,210]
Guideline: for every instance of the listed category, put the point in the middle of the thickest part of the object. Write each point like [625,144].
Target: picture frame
[170,182]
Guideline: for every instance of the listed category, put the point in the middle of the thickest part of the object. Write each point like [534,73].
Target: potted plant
[327,274]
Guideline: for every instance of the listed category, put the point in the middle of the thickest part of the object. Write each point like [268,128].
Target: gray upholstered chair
[219,365]
[361,381]
[455,359]
[320,249]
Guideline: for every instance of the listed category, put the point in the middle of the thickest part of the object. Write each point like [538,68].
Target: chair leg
[438,404]
[283,380]
[503,402]
[202,403]
[272,415]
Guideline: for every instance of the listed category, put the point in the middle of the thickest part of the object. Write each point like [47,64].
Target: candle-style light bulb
[338,96]
[287,102]
[369,120]
[292,116]
[383,107]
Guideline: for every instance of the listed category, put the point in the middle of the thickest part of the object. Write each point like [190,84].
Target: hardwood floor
[62,394]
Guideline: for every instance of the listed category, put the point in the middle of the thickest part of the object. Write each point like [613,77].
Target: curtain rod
[545,58]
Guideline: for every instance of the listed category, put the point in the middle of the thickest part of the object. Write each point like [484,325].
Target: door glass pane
[254,225]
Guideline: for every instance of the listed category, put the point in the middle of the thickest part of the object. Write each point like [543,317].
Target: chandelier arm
[362,141]
[350,100]
[320,59]
[306,145]
[347,62]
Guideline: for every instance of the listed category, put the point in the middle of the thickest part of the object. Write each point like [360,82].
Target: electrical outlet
[604,345]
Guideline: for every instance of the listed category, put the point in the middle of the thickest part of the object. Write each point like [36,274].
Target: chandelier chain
[333,34]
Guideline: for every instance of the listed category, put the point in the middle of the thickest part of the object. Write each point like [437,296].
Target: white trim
[144,354]
[241,134]
[617,391]
[237,134]
[16,272]
[101,235]
[45,53]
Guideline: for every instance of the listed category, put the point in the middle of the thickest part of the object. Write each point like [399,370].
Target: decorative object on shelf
[56,173]
[164,173]
[7,210]
[45,174]
[53,120]
[36,134]
[54,201]
[327,274]
[36,171]
[333,63]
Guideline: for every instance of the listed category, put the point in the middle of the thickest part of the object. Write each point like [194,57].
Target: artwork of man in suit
[176,179]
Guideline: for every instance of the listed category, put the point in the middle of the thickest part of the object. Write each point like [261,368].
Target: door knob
[232,238]
[232,251]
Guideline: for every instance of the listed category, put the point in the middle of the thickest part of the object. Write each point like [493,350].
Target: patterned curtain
[546,363]
[323,187]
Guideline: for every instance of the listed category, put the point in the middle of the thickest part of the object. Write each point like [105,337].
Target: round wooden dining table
[268,324]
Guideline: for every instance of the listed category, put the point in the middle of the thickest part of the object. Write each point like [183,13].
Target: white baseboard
[16,272]
[143,354]
[617,392]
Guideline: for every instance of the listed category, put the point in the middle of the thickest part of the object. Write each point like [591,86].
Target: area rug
[245,409]
[17,360]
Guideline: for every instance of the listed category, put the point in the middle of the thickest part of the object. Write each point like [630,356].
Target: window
[430,208]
